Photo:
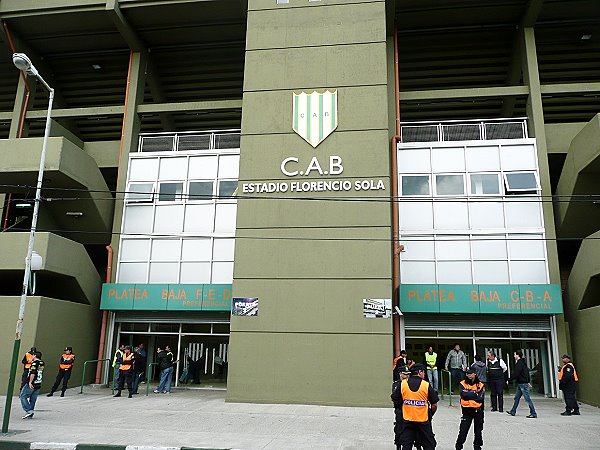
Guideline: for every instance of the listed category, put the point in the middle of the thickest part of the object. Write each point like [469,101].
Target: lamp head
[22,62]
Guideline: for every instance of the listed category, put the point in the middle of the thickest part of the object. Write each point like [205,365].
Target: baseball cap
[469,370]
[565,356]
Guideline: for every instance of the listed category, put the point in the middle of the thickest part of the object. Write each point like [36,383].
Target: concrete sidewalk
[202,419]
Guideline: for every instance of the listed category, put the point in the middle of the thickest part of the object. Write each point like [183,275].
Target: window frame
[129,193]
[445,174]
[510,190]
[425,175]
[498,180]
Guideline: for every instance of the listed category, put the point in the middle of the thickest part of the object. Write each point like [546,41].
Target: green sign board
[481,298]
[166,297]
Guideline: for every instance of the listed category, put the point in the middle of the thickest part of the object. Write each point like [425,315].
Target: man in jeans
[432,373]
[30,391]
[165,364]
[521,376]
[456,361]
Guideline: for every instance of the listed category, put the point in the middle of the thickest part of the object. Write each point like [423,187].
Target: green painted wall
[310,342]
[44,327]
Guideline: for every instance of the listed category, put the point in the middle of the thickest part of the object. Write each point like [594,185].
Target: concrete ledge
[15,445]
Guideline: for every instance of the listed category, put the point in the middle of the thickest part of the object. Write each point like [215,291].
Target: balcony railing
[189,141]
[464,130]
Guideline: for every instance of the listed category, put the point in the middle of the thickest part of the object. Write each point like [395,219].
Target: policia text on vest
[415,403]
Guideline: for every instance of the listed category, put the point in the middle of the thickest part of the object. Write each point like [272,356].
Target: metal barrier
[85,366]
[148,377]
[449,385]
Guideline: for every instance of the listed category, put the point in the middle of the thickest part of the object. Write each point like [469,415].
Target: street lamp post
[22,62]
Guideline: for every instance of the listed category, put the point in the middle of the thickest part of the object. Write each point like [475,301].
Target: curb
[16,445]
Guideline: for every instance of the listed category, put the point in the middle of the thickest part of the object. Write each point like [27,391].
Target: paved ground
[201,418]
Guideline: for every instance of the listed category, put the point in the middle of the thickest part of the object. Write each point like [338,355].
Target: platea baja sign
[481,298]
[314,118]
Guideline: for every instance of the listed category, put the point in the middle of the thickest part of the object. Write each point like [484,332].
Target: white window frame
[428,175]
[129,195]
[516,190]
[498,179]
[434,185]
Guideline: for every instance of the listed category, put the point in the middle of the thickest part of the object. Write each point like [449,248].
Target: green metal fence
[85,363]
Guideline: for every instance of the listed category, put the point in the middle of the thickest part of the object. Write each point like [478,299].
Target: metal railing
[189,141]
[463,130]
[449,385]
[149,376]
[85,367]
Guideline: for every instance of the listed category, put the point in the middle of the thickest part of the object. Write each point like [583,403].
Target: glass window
[417,247]
[173,168]
[416,216]
[489,247]
[448,159]
[521,182]
[454,272]
[222,272]
[201,190]
[414,160]
[138,219]
[485,184]
[225,218]
[166,250]
[204,167]
[143,169]
[134,249]
[450,215]
[170,192]
[195,272]
[523,215]
[199,218]
[490,272]
[227,189]
[229,166]
[417,272]
[140,192]
[223,249]
[162,272]
[415,185]
[449,185]
[452,248]
[168,219]
[483,159]
[484,215]
[196,250]
[528,272]
[518,157]
[526,246]
[133,272]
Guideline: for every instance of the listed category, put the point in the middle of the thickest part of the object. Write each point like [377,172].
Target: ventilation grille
[157,143]
[229,140]
[469,131]
[189,142]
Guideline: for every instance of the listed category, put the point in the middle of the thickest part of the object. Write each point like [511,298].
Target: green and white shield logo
[315,116]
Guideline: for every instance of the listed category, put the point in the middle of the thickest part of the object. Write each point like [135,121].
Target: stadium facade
[288,192]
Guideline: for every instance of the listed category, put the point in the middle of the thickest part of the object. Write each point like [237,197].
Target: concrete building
[306,165]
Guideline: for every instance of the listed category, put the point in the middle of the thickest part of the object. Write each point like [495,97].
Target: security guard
[115,364]
[567,379]
[125,362]
[67,359]
[419,404]
[472,395]
[26,361]
[399,362]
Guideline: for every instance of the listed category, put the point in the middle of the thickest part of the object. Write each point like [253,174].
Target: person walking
[26,361]
[165,364]
[456,362]
[29,392]
[126,360]
[567,382]
[472,395]
[115,364]
[65,367]
[495,376]
[418,401]
[139,368]
[431,364]
[521,377]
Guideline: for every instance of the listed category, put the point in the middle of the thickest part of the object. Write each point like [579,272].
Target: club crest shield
[315,116]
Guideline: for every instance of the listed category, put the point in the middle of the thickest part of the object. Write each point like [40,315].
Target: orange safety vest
[471,403]
[414,404]
[29,358]
[560,373]
[127,362]
[70,357]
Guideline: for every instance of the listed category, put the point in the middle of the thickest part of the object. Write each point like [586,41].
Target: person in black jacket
[165,364]
[472,395]
[521,376]
[567,379]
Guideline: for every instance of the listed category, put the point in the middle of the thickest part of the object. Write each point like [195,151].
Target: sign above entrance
[315,116]
[166,297]
[481,298]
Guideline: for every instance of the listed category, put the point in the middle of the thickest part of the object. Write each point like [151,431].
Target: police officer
[67,359]
[567,379]
[125,361]
[419,403]
[472,395]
